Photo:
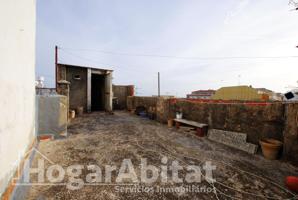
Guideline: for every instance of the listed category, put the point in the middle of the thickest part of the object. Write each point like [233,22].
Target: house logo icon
[26,163]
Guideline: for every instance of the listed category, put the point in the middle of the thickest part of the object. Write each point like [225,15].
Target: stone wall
[133,102]
[291,133]
[257,120]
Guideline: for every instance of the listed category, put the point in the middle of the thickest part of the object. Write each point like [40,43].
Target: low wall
[133,102]
[257,120]
[291,133]
[52,113]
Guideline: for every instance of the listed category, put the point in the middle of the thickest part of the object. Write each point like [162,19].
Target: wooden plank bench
[202,129]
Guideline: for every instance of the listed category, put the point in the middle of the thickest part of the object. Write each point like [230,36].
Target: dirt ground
[104,139]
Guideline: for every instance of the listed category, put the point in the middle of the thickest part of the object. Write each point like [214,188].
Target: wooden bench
[201,128]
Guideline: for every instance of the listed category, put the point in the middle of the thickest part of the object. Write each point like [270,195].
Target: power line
[96,61]
[84,58]
[181,57]
[135,70]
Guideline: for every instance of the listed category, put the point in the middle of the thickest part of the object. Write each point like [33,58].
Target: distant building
[272,95]
[201,94]
[240,93]
[245,93]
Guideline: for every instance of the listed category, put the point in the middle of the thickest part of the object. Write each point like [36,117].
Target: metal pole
[56,66]
[158,84]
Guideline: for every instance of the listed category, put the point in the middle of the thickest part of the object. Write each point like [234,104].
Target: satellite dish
[291,96]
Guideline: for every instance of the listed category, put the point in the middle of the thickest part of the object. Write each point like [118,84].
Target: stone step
[231,139]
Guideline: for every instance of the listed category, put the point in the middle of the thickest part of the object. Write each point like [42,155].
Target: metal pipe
[56,66]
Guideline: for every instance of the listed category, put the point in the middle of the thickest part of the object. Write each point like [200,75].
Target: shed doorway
[97,92]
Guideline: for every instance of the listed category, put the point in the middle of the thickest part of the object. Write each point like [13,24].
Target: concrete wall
[52,115]
[17,78]
[260,120]
[78,88]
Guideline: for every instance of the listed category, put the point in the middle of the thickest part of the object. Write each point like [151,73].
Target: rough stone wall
[291,133]
[274,120]
[164,110]
[61,72]
[133,102]
[257,121]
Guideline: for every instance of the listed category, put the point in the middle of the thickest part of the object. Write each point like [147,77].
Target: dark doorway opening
[97,92]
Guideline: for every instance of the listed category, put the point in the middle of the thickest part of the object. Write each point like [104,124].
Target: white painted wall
[17,92]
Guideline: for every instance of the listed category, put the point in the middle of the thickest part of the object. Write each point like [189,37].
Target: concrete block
[241,137]
[231,139]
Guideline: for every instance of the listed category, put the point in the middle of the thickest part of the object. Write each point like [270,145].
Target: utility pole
[56,66]
[158,84]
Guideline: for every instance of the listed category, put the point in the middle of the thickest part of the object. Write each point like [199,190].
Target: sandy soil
[102,139]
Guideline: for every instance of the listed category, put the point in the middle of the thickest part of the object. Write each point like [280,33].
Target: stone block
[232,139]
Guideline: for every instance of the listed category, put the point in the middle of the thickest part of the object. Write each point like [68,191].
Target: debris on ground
[103,139]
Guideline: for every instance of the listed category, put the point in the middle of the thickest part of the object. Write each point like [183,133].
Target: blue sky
[178,28]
